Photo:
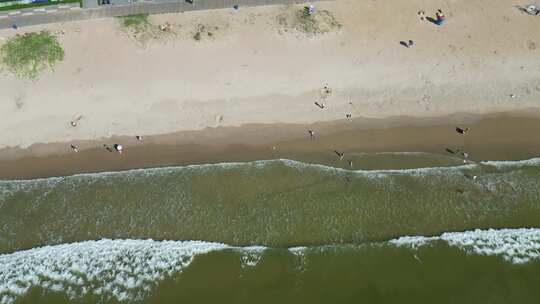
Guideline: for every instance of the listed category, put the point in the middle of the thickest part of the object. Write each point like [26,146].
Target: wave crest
[517,246]
[121,269]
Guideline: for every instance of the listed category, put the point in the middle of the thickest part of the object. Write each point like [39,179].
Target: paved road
[38,10]
[57,14]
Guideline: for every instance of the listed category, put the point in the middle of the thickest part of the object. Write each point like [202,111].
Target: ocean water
[275,231]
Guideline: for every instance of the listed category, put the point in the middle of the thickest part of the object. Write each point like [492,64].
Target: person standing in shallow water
[462,131]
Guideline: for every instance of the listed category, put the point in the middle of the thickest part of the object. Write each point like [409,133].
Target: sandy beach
[375,142]
[254,70]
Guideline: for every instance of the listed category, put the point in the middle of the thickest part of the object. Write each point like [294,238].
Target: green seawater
[276,203]
[342,217]
[368,274]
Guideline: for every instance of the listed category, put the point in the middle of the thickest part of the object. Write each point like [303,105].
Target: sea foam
[299,165]
[517,246]
[121,269]
[129,269]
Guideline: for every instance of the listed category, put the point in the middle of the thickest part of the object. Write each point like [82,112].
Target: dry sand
[484,59]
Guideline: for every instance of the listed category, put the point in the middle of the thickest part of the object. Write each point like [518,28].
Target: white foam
[517,246]
[129,269]
[412,241]
[377,173]
[517,163]
[287,162]
[251,255]
[298,251]
[300,254]
[121,269]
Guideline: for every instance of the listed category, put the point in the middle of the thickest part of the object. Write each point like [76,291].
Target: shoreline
[252,84]
[502,136]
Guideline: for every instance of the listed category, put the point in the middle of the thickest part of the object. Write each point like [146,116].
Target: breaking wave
[129,269]
[299,165]
[517,246]
[121,269]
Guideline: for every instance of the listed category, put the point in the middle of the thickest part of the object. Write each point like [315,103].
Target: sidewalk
[66,13]
[38,10]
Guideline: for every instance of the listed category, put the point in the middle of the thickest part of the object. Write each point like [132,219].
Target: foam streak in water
[514,245]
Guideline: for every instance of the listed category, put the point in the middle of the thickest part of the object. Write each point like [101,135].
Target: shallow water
[278,203]
[473,267]
[325,230]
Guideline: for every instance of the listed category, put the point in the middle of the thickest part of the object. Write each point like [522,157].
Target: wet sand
[494,137]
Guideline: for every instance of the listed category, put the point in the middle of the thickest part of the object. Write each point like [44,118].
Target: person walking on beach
[139,138]
[75,148]
[119,148]
[311,134]
[339,154]
[465,157]
[407,44]
[327,90]
[74,122]
[462,131]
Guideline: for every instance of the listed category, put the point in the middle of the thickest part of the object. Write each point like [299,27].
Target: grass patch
[306,21]
[136,23]
[29,54]
[143,31]
[310,24]
[319,22]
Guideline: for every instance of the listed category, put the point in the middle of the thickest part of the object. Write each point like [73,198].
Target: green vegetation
[306,21]
[28,54]
[310,24]
[137,23]
[38,4]
[142,30]
[316,23]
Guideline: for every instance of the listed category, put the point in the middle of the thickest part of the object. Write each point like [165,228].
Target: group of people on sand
[439,20]
[119,148]
[326,91]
